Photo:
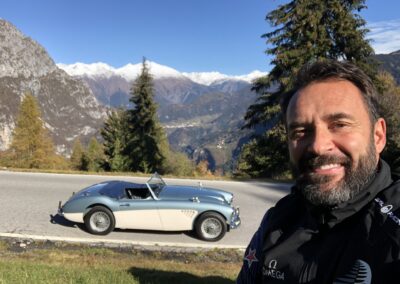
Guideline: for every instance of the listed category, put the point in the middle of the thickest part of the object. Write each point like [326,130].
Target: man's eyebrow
[337,116]
[328,117]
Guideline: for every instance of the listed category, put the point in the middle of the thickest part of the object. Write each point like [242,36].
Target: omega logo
[271,271]
[272,264]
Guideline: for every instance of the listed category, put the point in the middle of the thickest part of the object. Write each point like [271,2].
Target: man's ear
[380,135]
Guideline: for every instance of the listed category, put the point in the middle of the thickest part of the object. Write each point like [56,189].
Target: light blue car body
[183,201]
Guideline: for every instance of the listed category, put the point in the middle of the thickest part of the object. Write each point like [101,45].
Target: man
[341,222]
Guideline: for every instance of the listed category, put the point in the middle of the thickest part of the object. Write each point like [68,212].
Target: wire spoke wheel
[99,221]
[211,228]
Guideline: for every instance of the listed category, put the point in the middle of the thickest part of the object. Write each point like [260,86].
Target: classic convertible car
[153,205]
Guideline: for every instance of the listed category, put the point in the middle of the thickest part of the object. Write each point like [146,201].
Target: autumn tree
[31,145]
[305,30]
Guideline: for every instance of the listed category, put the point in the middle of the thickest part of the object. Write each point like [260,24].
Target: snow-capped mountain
[205,78]
[209,78]
[111,85]
[130,71]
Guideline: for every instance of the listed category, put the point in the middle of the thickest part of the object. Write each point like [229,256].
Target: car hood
[175,192]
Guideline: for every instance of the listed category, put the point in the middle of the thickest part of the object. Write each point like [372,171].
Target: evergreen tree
[145,133]
[306,30]
[390,108]
[31,145]
[94,156]
[265,156]
[114,136]
[77,156]
[117,163]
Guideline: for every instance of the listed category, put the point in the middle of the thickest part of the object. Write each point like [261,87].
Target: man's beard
[344,190]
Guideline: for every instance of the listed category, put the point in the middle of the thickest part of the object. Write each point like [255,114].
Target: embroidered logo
[360,273]
[387,209]
[251,257]
[272,264]
[271,271]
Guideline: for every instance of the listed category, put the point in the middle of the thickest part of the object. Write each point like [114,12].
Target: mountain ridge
[130,71]
[391,63]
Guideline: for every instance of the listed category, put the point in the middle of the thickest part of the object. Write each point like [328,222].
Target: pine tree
[117,163]
[77,156]
[114,136]
[31,145]
[94,156]
[390,108]
[145,133]
[306,30]
[264,156]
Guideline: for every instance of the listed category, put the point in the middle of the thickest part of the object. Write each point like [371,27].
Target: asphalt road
[29,205]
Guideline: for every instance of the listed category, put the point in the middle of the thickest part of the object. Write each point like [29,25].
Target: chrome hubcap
[100,221]
[211,228]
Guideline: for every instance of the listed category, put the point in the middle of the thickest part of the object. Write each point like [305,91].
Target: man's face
[333,147]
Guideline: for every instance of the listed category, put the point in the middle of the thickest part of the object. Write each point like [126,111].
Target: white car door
[138,213]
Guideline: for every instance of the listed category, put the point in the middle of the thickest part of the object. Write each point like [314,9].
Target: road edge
[111,242]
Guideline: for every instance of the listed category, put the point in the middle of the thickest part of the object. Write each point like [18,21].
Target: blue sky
[188,35]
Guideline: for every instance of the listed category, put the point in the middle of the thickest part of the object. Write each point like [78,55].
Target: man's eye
[338,125]
[297,133]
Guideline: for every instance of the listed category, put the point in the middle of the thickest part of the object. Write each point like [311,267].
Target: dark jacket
[355,242]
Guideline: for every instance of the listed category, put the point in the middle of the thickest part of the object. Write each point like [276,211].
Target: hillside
[391,63]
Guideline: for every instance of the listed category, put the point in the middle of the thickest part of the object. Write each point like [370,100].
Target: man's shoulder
[290,201]
[387,210]
[287,207]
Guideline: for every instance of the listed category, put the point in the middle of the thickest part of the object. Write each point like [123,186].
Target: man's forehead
[326,95]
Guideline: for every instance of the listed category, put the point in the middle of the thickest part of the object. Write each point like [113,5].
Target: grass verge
[40,262]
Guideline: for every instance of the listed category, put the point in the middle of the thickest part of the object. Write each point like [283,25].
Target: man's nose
[321,142]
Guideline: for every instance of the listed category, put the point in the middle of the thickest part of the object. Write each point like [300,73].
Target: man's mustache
[311,161]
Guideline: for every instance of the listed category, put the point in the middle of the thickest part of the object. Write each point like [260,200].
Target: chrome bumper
[235,219]
[60,211]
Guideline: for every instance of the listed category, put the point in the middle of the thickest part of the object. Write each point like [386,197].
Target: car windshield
[156,183]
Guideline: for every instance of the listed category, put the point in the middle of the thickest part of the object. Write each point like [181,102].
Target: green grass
[19,271]
[82,264]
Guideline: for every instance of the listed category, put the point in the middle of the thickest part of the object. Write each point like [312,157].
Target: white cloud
[384,36]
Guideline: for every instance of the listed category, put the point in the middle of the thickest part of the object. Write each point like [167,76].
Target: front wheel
[99,221]
[210,227]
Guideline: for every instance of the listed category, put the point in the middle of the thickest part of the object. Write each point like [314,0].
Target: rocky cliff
[69,108]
